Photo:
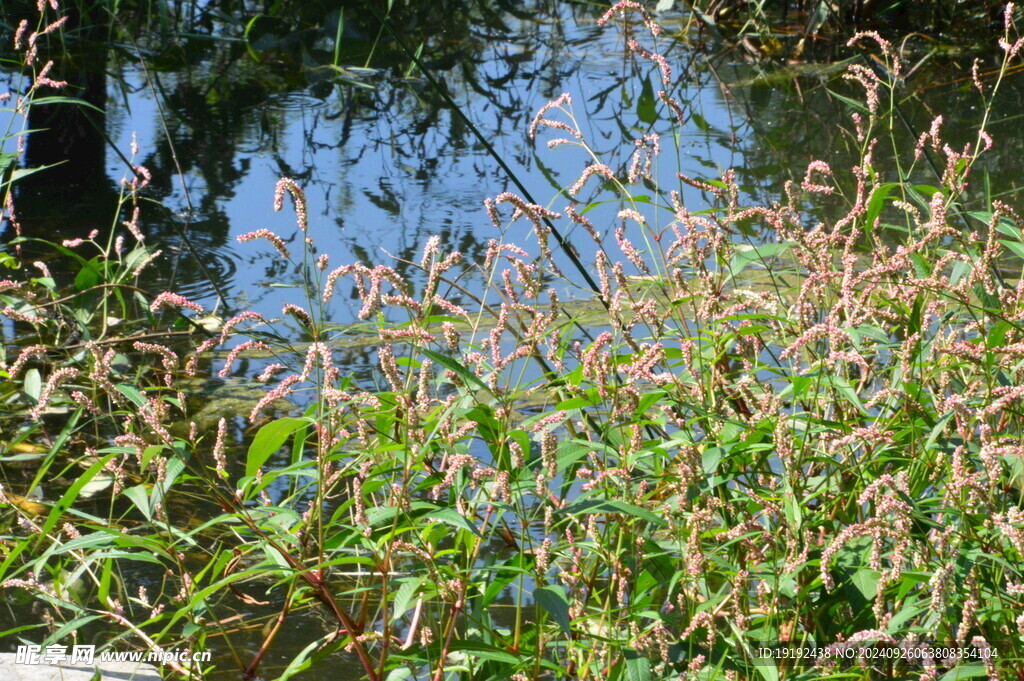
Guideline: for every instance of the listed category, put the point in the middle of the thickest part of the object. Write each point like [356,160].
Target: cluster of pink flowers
[623,6]
[647,149]
[52,382]
[244,346]
[560,102]
[289,186]
[659,61]
[592,169]
[276,241]
[170,299]
[680,370]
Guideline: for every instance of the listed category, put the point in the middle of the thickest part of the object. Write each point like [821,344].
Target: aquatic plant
[761,29]
[795,427]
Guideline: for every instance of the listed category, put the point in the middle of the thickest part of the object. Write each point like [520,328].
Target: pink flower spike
[561,101]
[236,351]
[594,168]
[286,184]
[19,35]
[624,5]
[810,185]
[174,300]
[276,241]
[26,354]
[43,80]
[46,394]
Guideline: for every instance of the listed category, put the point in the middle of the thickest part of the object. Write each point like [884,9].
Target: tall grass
[806,443]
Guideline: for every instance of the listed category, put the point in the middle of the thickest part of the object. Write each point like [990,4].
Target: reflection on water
[382,159]
[385,163]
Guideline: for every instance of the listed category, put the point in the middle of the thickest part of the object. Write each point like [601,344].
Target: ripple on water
[200,275]
[295,101]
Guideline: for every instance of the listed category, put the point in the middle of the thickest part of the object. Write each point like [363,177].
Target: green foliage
[777,29]
[810,437]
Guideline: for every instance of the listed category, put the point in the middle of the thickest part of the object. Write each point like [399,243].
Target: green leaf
[140,498]
[924,191]
[108,564]
[968,672]
[877,202]
[852,103]
[268,440]
[519,564]
[645,108]
[745,254]
[462,372]
[700,122]
[399,673]
[248,41]
[921,267]
[58,99]
[1015,247]
[131,261]
[640,198]
[312,653]
[133,394]
[658,562]
[554,601]
[575,403]
[588,506]
[638,668]
[959,270]
[1004,226]
[338,31]
[69,497]
[816,19]
[404,595]
[67,628]
[866,582]
[175,466]
[451,517]
[845,389]
[484,651]
[21,173]
[997,335]
[33,384]
[88,276]
[710,459]
[7,159]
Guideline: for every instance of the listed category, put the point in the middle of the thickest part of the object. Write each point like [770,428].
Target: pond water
[385,163]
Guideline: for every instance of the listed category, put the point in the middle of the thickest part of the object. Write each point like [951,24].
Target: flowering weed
[811,439]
